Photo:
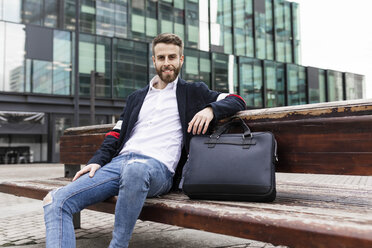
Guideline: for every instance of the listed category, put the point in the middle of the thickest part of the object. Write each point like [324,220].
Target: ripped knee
[48,199]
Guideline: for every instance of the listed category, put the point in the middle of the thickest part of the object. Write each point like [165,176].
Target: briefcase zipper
[275,150]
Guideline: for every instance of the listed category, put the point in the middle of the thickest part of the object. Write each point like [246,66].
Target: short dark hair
[168,38]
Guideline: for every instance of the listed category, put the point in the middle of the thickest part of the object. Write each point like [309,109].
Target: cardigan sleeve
[223,105]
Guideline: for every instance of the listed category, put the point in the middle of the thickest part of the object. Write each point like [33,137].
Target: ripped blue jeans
[132,177]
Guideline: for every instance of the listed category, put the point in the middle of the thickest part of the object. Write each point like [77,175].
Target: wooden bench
[328,138]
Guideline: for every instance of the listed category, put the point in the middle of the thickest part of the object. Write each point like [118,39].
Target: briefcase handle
[236,122]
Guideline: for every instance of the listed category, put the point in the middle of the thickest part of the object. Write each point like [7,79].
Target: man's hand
[201,120]
[91,168]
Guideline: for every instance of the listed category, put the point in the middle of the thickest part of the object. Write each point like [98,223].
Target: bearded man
[138,158]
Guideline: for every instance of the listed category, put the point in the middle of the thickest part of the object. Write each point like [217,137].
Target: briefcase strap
[245,142]
[225,127]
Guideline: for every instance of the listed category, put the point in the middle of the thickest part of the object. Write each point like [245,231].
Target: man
[139,156]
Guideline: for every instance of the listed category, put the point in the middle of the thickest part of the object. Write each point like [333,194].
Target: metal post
[92,96]
[77,86]
[76,217]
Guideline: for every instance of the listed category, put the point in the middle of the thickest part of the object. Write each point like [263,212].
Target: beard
[168,77]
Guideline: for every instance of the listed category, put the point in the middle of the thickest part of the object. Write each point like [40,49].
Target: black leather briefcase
[235,167]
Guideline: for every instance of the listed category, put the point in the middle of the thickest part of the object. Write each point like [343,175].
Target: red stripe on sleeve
[237,96]
[112,133]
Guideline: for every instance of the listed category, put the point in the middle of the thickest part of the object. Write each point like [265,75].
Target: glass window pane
[354,86]
[335,87]
[274,78]
[296,32]
[243,27]
[86,62]
[179,22]
[151,19]
[103,67]
[166,17]
[69,14]
[105,18]
[270,80]
[138,19]
[121,18]
[280,83]
[293,85]
[246,80]
[269,30]
[61,62]
[257,81]
[260,25]
[14,57]
[221,26]
[228,40]
[42,76]
[50,13]
[179,4]
[302,85]
[251,81]
[151,27]
[88,16]
[31,10]
[192,24]
[316,83]
[220,72]
[288,33]
[280,30]
[322,86]
[138,23]
[28,75]
[205,68]
[12,10]
[191,65]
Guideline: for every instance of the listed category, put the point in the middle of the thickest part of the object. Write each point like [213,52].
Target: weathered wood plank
[303,215]
[76,157]
[104,128]
[326,163]
[310,111]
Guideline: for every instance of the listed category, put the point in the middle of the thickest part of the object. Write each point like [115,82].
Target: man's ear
[182,59]
[153,60]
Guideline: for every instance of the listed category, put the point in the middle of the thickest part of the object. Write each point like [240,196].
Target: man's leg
[141,177]
[61,204]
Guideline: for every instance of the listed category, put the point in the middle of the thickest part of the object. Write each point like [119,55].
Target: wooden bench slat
[304,214]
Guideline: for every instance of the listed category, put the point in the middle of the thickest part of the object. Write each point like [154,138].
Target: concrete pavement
[21,222]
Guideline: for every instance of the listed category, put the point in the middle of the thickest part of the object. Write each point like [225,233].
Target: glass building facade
[247,47]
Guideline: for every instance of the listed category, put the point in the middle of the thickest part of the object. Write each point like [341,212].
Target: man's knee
[48,199]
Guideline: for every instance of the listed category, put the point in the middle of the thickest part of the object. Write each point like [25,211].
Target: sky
[337,34]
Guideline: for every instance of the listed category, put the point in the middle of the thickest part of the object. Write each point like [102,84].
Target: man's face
[167,61]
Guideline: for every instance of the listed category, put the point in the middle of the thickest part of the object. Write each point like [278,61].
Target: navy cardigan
[191,98]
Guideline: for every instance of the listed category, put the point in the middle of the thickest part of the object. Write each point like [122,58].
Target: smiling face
[167,61]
